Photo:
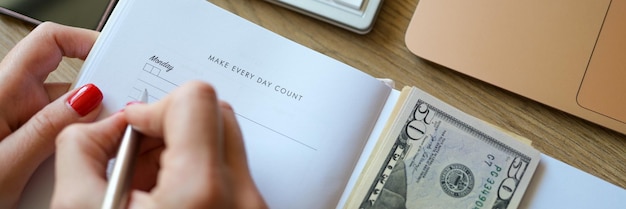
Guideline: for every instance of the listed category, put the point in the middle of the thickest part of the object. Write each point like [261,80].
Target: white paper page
[305,117]
[369,146]
[558,185]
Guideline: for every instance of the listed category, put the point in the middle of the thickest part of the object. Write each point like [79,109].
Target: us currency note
[439,157]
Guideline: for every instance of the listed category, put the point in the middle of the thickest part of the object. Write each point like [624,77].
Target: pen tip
[144,96]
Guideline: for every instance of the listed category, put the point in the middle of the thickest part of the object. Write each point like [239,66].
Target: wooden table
[382,53]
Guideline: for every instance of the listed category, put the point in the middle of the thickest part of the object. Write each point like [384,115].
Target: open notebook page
[305,117]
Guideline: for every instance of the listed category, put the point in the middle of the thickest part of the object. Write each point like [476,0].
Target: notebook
[568,54]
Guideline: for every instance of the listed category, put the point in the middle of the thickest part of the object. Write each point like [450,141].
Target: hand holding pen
[116,195]
[192,156]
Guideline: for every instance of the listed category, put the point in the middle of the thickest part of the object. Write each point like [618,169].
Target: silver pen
[117,192]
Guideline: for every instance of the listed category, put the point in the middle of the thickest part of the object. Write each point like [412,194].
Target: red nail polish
[133,102]
[87,98]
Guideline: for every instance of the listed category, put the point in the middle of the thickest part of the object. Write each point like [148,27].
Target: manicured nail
[129,103]
[87,98]
[133,102]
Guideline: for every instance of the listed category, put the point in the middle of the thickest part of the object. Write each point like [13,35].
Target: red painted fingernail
[133,102]
[87,98]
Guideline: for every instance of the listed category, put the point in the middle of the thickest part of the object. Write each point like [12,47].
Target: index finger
[40,52]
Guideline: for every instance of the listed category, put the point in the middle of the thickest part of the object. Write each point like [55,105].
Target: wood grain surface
[382,53]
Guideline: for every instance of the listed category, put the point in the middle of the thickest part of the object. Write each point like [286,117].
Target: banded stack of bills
[435,156]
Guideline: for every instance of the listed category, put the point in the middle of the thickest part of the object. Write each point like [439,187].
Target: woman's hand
[33,113]
[193,141]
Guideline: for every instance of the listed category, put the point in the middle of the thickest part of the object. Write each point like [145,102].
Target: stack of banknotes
[434,156]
